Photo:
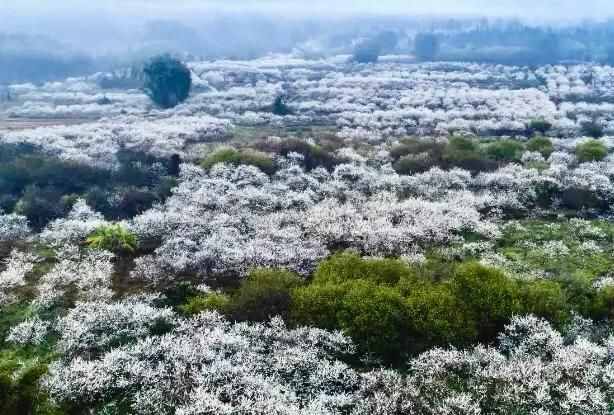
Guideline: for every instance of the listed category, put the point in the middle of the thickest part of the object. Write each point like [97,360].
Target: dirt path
[16,124]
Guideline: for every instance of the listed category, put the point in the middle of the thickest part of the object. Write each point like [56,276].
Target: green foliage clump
[593,150]
[413,156]
[167,81]
[376,317]
[314,155]
[466,153]
[114,238]
[487,298]
[505,150]
[392,309]
[22,369]
[208,302]
[236,157]
[541,145]
[603,304]
[264,294]
[20,390]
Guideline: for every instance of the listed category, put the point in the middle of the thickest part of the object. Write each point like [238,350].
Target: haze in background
[42,39]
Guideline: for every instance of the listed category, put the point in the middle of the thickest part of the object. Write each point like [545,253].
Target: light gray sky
[540,9]
[109,26]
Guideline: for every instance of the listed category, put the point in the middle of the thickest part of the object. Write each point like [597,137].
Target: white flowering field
[406,238]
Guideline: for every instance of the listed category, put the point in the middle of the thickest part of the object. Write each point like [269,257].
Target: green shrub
[603,305]
[208,302]
[314,155]
[541,145]
[317,305]
[279,107]
[465,153]
[236,157]
[407,146]
[375,317]
[265,293]
[487,297]
[505,150]
[435,319]
[348,266]
[592,150]
[414,163]
[546,299]
[20,392]
[114,238]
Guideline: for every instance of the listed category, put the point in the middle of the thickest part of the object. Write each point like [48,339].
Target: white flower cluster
[208,365]
[88,271]
[233,219]
[31,331]
[17,266]
[13,227]
[97,143]
[93,326]
[80,222]
[532,371]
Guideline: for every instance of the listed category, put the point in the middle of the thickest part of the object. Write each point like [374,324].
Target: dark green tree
[279,107]
[167,81]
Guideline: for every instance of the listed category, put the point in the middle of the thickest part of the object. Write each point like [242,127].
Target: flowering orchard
[408,239]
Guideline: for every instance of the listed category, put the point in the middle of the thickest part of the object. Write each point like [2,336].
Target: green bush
[317,305]
[375,317]
[592,150]
[20,391]
[348,266]
[603,305]
[407,146]
[505,150]
[541,145]
[487,297]
[43,188]
[546,299]
[208,302]
[236,157]
[414,163]
[465,153]
[435,318]
[114,238]
[314,155]
[264,294]
[167,81]
[392,309]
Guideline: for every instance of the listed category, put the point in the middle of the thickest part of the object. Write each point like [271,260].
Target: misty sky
[109,26]
[540,9]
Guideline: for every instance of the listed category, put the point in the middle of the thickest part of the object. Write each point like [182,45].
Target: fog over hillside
[77,36]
